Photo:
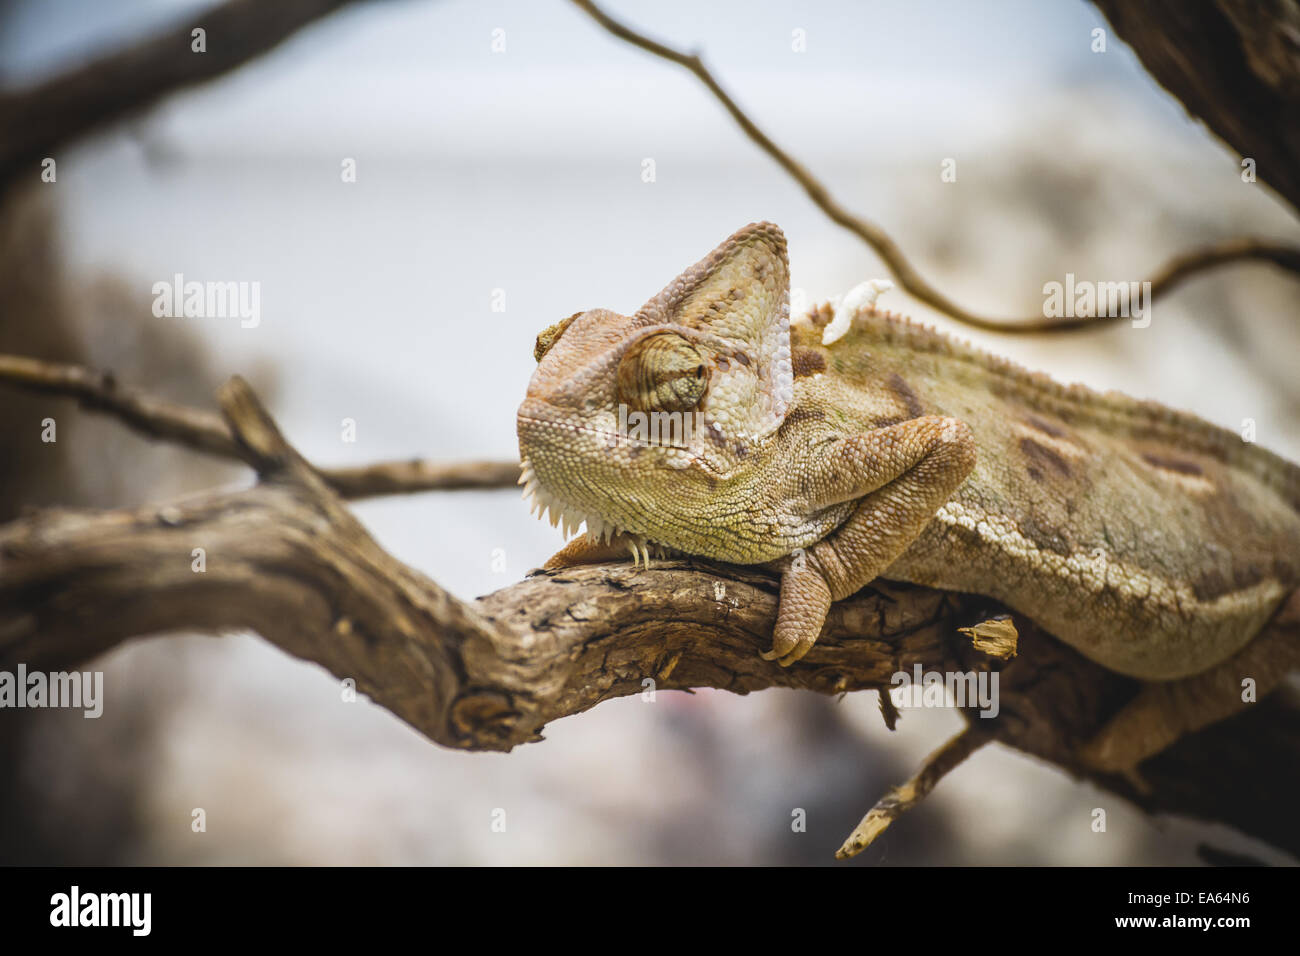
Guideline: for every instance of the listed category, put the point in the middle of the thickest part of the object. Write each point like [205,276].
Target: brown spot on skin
[1045,537]
[1210,450]
[807,362]
[904,393]
[1038,457]
[1286,572]
[1172,464]
[1046,427]
[742,358]
[1214,584]
[1210,585]
[722,363]
[888,420]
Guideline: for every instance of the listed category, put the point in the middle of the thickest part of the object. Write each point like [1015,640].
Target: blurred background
[500,149]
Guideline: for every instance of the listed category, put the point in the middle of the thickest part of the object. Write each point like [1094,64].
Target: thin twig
[903,798]
[207,432]
[1165,279]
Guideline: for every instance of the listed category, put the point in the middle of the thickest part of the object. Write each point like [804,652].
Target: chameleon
[848,443]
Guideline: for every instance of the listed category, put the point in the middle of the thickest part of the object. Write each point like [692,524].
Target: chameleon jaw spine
[569,519]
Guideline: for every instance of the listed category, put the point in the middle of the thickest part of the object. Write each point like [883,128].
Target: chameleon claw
[799,653]
[785,651]
[780,648]
[640,553]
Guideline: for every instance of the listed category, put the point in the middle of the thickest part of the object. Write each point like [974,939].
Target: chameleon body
[1153,542]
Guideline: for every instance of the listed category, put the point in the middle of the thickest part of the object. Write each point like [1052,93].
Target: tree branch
[1232,65]
[37,122]
[287,559]
[903,798]
[1163,281]
[204,431]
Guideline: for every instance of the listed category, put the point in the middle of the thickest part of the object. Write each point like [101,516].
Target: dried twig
[208,432]
[1164,280]
[903,798]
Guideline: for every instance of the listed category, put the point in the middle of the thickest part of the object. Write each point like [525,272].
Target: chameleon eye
[662,373]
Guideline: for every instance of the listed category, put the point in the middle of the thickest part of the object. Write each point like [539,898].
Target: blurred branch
[287,559]
[38,121]
[1233,65]
[1164,280]
[208,432]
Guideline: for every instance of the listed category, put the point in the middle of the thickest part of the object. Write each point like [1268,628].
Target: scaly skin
[1153,542]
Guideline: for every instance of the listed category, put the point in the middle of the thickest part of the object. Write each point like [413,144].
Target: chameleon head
[647,424]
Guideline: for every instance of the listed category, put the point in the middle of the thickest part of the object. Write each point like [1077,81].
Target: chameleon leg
[1162,713]
[902,474]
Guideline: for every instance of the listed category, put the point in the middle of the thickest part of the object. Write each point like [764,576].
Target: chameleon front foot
[805,601]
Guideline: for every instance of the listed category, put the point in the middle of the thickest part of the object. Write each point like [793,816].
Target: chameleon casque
[849,444]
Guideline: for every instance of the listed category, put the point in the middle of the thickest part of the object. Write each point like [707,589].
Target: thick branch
[37,122]
[1163,280]
[1235,66]
[207,432]
[287,560]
